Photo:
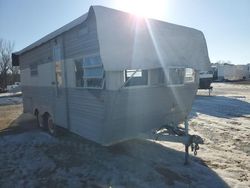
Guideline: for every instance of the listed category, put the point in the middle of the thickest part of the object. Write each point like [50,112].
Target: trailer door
[60,111]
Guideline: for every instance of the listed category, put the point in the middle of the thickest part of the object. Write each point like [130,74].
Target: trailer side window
[33,70]
[189,75]
[79,73]
[161,76]
[175,76]
[156,76]
[135,77]
[89,72]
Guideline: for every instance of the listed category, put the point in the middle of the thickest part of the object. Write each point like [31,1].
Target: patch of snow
[10,94]
[10,100]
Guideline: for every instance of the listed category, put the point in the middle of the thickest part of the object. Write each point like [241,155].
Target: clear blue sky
[225,23]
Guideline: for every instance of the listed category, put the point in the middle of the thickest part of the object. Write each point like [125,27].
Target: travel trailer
[248,68]
[230,72]
[109,75]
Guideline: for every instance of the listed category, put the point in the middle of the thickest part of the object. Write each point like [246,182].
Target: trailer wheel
[40,122]
[51,126]
[36,113]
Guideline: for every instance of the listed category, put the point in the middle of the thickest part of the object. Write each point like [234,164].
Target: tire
[51,126]
[37,119]
[40,121]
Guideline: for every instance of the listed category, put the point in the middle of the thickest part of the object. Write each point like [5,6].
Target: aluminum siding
[40,55]
[86,109]
[82,40]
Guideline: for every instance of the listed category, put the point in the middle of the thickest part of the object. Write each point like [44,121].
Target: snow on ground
[10,98]
[32,158]
[10,94]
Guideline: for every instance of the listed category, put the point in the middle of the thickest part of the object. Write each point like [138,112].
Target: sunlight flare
[142,8]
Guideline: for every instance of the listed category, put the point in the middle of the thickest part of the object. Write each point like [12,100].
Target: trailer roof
[130,42]
[54,33]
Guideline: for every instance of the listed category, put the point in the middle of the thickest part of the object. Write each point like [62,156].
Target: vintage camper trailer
[109,75]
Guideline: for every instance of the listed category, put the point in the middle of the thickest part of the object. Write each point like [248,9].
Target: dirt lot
[224,121]
[8,113]
[32,158]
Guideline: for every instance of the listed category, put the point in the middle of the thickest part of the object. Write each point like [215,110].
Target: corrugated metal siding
[132,111]
[78,43]
[86,109]
[40,55]
[42,97]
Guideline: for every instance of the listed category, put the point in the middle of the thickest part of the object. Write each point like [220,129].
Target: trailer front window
[175,76]
[135,77]
[33,70]
[189,75]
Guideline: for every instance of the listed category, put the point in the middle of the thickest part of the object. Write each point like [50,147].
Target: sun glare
[143,8]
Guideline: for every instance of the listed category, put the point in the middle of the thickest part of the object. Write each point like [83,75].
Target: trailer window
[93,72]
[161,76]
[135,77]
[79,73]
[189,75]
[89,72]
[33,70]
[175,76]
[92,61]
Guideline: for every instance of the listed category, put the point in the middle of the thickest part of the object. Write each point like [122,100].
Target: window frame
[193,76]
[127,79]
[168,83]
[33,70]
[164,78]
[86,78]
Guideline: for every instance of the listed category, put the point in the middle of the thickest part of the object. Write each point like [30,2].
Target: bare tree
[14,75]
[6,48]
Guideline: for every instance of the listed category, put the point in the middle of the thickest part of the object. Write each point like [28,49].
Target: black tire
[37,119]
[40,121]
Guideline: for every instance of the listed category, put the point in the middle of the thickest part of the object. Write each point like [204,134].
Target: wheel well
[46,114]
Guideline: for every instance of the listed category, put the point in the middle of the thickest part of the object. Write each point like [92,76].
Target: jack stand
[176,134]
[186,144]
[210,89]
[186,155]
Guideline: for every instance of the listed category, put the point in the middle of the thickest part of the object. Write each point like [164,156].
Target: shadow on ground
[32,158]
[220,106]
[23,123]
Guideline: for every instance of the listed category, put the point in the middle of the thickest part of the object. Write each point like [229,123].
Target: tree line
[8,74]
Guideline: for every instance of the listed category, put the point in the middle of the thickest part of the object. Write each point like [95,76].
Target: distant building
[248,68]
[230,72]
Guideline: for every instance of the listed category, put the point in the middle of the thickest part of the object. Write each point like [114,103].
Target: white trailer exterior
[248,68]
[231,72]
[109,75]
